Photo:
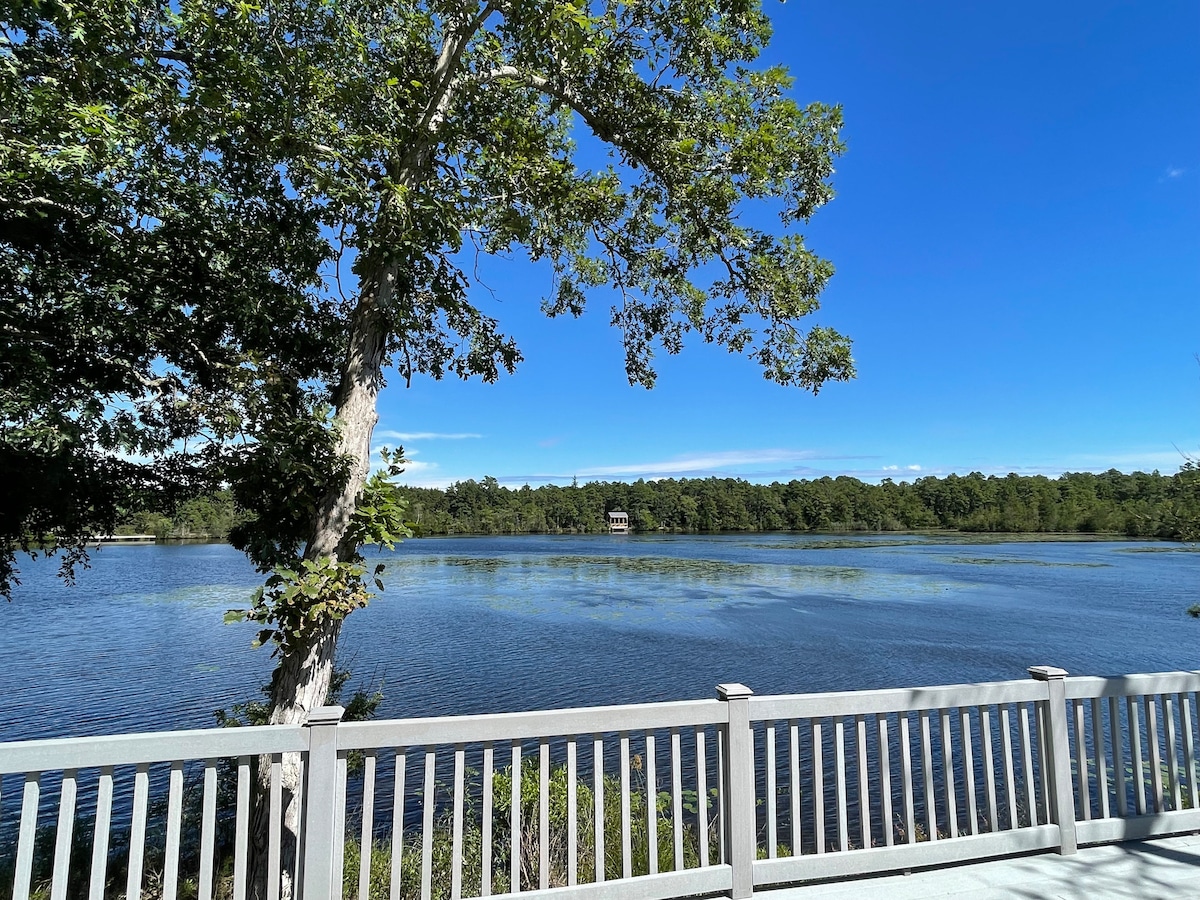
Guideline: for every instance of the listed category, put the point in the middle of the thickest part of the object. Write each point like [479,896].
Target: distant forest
[1136,505]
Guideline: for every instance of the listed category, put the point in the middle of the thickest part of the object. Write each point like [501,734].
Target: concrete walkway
[1168,868]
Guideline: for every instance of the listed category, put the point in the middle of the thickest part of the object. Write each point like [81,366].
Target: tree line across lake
[1137,505]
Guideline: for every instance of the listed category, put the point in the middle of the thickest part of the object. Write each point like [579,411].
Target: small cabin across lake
[618,523]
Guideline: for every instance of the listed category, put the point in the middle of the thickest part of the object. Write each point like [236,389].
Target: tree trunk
[301,681]
[303,678]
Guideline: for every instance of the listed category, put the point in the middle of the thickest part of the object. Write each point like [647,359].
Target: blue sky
[1017,243]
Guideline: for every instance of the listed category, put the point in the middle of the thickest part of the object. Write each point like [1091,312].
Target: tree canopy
[223,223]
[1134,505]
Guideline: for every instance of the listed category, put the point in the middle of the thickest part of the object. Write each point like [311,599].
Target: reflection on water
[489,624]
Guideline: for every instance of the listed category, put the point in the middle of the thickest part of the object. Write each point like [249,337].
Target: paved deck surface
[1168,868]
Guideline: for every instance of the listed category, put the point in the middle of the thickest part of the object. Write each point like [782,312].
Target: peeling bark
[301,682]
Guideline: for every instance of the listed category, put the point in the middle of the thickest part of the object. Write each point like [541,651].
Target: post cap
[733,691]
[325,715]
[1047,673]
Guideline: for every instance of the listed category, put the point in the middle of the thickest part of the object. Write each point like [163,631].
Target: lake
[471,625]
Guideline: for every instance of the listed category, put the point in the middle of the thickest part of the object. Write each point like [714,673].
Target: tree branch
[559,92]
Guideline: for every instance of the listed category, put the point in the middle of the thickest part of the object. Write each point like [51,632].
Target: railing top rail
[852,703]
[150,747]
[1084,687]
[444,730]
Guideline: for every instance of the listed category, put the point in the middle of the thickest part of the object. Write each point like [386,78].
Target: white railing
[119,770]
[645,801]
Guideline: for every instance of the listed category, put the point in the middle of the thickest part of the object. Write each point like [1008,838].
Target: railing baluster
[572,814]
[906,780]
[27,834]
[1172,756]
[1189,753]
[170,885]
[341,774]
[544,814]
[598,797]
[208,829]
[722,800]
[66,829]
[772,810]
[1193,773]
[485,850]
[241,847]
[104,798]
[794,785]
[651,806]
[677,797]
[427,810]
[1045,761]
[1135,755]
[989,767]
[366,836]
[864,795]
[1010,775]
[1150,704]
[1118,749]
[839,779]
[137,832]
[1101,760]
[456,827]
[275,827]
[626,820]
[398,824]
[951,787]
[964,719]
[514,821]
[818,791]
[885,779]
[1027,757]
[1082,789]
[927,767]
[299,799]
[702,795]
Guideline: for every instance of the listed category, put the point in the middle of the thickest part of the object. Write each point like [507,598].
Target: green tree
[225,222]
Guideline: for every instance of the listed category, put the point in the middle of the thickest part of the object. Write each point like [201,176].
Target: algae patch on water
[1008,561]
[1191,549]
[649,589]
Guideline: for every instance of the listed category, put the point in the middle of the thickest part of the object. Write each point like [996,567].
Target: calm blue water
[495,624]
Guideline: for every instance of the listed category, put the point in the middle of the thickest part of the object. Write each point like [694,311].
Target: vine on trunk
[297,602]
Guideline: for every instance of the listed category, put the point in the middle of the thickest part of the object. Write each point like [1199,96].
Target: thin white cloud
[751,464]
[1175,172]
[427,435]
[1166,462]
[708,462]
[412,466]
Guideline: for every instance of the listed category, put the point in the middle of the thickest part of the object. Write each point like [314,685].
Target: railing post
[320,801]
[1057,755]
[737,792]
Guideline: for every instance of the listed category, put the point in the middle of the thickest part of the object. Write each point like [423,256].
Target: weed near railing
[382,856]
